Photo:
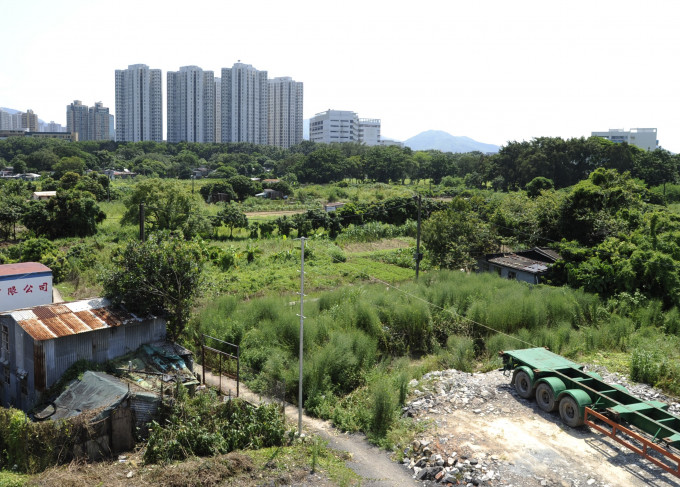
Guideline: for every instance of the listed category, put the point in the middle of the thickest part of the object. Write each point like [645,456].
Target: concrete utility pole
[302,327]
[418,256]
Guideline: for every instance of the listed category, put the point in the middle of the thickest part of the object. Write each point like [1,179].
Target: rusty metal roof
[23,268]
[63,319]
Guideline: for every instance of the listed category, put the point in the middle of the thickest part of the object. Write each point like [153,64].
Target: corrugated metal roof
[23,268]
[518,262]
[58,320]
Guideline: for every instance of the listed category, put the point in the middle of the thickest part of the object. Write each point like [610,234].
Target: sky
[492,70]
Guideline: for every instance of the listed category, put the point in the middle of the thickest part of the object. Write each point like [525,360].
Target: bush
[204,425]
[382,410]
[461,352]
[646,366]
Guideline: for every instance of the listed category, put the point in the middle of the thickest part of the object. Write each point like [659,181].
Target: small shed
[43,195]
[113,405]
[40,343]
[525,265]
[270,194]
[333,206]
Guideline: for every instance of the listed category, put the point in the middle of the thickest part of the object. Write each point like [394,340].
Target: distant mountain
[445,142]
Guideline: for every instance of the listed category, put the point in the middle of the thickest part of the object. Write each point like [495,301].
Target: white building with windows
[99,122]
[644,138]
[388,142]
[88,123]
[77,120]
[218,109]
[191,105]
[245,101]
[285,112]
[369,131]
[334,126]
[139,104]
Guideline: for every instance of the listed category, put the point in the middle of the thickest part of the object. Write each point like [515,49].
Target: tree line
[564,162]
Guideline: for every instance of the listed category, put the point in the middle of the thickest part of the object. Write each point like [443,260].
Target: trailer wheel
[545,398]
[523,385]
[570,412]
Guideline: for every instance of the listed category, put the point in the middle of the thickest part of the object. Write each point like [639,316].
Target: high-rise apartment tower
[191,105]
[244,104]
[285,112]
[139,104]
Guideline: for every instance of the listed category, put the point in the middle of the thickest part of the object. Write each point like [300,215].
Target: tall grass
[449,319]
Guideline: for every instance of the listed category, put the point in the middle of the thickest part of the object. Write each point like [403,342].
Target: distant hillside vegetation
[445,142]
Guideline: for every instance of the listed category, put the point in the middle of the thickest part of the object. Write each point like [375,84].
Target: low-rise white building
[644,138]
[334,126]
[369,131]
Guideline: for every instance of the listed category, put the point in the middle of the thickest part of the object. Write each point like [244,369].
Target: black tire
[545,398]
[523,385]
[570,412]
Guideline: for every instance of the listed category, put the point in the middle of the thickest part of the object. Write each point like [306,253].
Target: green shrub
[382,410]
[203,425]
[672,321]
[462,353]
[646,366]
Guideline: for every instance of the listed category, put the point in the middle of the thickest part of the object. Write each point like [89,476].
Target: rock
[129,474]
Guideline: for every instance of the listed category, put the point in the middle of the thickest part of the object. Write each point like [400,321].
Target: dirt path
[368,461]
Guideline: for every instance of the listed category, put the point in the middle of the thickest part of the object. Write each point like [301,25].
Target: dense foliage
[204,425]
[563,162]
[27,446]
[162,275]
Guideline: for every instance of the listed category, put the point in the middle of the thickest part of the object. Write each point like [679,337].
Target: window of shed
[5,338]
[6,374]
[24,385]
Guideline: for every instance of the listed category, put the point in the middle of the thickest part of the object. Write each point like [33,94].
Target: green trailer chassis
[584,398]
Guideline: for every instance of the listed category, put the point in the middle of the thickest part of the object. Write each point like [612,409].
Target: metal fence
[222,358]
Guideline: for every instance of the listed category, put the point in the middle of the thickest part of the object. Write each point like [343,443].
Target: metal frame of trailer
[584,398]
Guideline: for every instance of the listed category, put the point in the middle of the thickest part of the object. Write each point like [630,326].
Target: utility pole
[302,327]
[418,256]
[141,222]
